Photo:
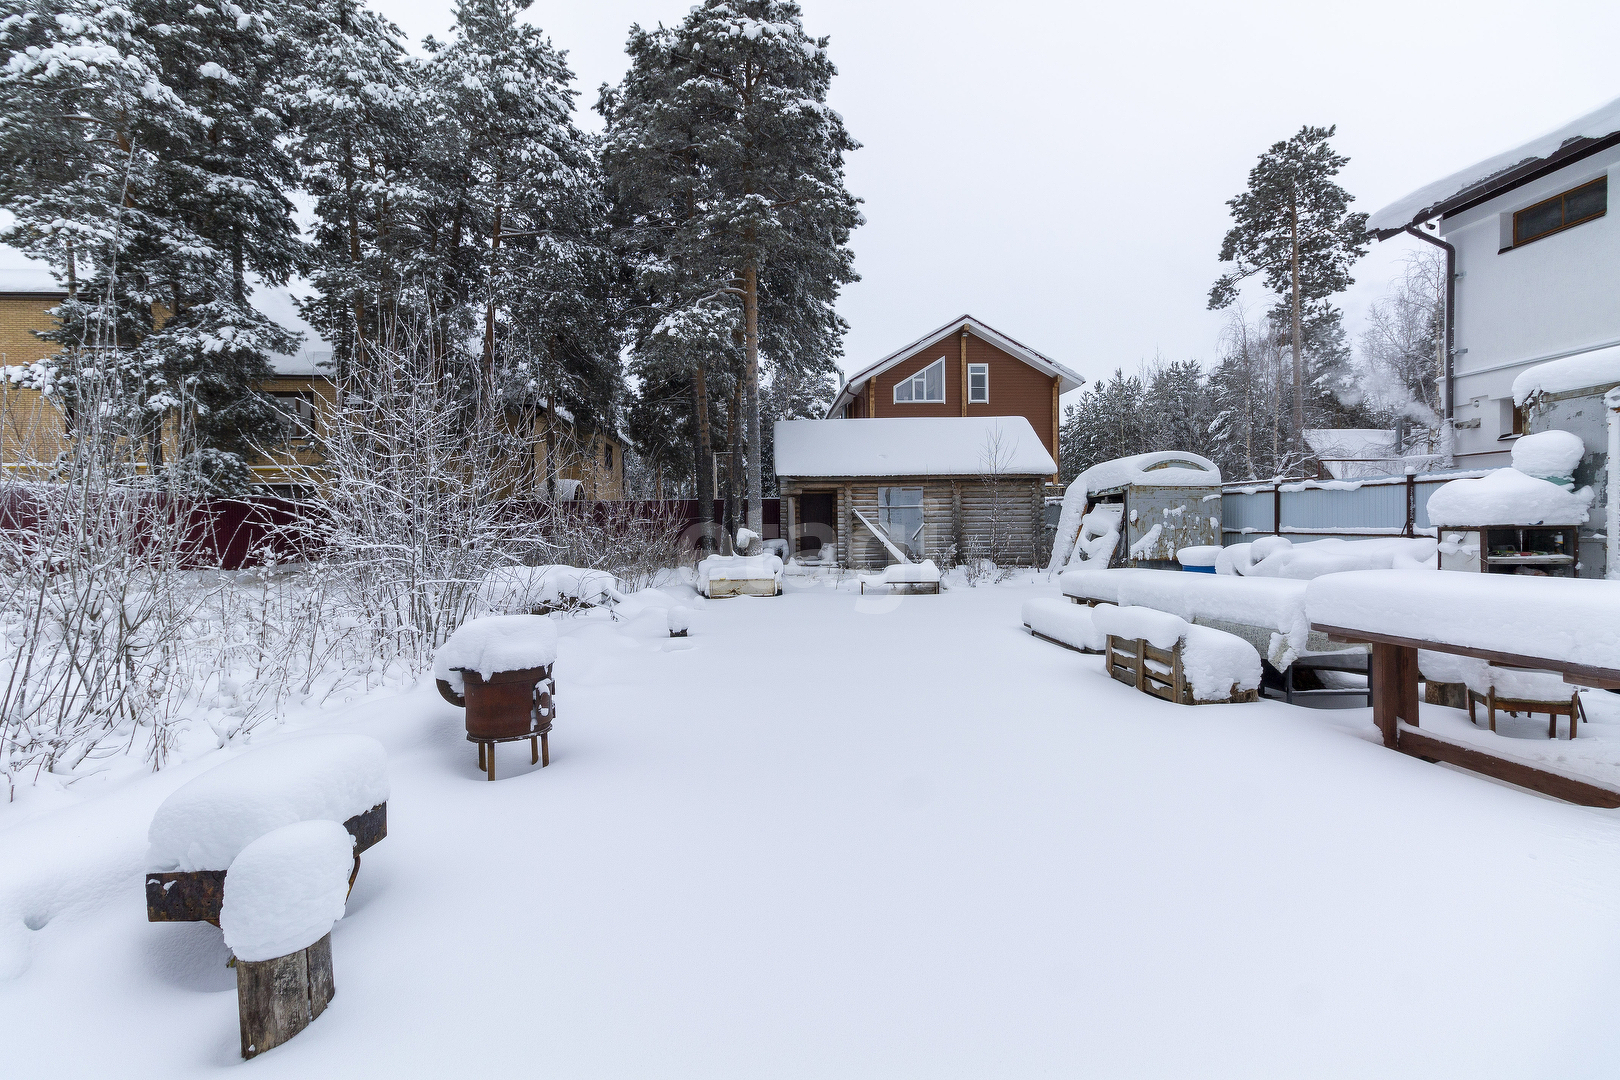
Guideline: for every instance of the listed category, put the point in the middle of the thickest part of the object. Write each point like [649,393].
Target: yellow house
[34,430]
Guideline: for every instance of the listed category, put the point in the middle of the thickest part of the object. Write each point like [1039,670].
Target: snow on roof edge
[1426,201]
[907,446]
[1594,368]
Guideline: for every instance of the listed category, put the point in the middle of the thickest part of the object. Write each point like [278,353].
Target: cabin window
[978,384]
[927,385]
[1561,211]
[297,414]
[900,514]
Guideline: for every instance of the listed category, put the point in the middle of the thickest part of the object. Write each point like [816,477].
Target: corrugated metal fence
[1380,506]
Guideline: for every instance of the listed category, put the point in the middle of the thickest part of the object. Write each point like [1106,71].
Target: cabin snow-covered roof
[1576,139]
[1162,468]
[35,280]
[909,446]
[1068,380]
[1592,369]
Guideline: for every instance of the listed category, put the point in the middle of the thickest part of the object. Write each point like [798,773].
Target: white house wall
[1523,305]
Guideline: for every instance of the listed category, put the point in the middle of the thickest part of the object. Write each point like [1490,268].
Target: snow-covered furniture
[1521,520]
[202,827]
[282,895]
[1063,623]
[1170,658]
[920,577]
[500,670]
[1513,690]
[1562,625]
[721,576]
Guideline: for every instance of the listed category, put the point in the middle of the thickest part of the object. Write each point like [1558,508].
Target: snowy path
[829,836]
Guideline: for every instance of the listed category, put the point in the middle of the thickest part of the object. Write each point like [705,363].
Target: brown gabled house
[940,450]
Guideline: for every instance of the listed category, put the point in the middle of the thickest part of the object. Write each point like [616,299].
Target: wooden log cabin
[941,449]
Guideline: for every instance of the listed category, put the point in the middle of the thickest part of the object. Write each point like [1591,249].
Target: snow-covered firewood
[209,820]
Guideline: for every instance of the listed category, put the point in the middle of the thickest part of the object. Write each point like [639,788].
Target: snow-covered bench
[199,830]
[920,577]
[1268,613]
[1170,658]
[1063,623]
[739,575]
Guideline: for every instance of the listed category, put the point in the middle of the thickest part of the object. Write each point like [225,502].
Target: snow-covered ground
[831,835]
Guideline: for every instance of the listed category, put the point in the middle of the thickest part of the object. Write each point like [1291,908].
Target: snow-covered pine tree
[1292,226]
[168,153]
[359,111]
[721,129]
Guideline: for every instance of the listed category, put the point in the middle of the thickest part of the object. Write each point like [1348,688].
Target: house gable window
[978,384]
[927,385]
[1573,207]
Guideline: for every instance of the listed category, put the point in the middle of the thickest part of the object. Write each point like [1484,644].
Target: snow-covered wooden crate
[721,576]
[200,829]
[1170,658]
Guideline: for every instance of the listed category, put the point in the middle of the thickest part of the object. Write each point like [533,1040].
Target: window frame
[921,506]
[920,375]
[1562,198]
[985,369]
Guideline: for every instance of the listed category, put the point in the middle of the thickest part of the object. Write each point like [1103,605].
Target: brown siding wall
[1016,389]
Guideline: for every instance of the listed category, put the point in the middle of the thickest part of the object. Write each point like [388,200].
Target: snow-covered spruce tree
[360,118]
[721,134]
[1292,226]
[157,194]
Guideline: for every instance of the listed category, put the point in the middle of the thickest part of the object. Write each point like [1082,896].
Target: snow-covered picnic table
[1566,625]
[1268,613]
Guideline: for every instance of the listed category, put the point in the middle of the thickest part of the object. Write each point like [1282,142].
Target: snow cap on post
[208,820]
[286,889]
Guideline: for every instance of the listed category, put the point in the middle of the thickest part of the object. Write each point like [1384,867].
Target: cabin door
[818,522]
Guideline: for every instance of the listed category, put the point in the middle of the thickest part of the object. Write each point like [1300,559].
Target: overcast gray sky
[1061,170]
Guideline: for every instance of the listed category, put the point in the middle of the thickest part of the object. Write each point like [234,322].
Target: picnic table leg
[1394,685]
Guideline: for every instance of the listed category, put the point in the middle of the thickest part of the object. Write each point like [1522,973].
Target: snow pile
[1213,661]
[1570,619]
[746,539]
[1147,540]
[1162,469]
[1062,621]
[1216,663]
[286,889]
[1158,628]
[1095,540]
[922,573]
[680,619]
[909,446]
[1549,455]
[1479,676]
[495,643]
[524,590]
[1199,555]
[209,820]
[1507,497]
[1278,556]
[1595,369]
[1420,204]
[738,568]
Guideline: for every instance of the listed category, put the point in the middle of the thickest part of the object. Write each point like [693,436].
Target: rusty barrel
[510,704]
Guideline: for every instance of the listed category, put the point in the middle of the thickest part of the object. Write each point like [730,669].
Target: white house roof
[1502,172]
[909,446]
[1068,380]
[1596,369]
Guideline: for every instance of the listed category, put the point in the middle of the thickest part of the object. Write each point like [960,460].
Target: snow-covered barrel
[199,830]
[500,670]
[283,893]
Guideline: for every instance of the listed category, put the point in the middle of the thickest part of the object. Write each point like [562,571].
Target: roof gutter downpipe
[1451,309]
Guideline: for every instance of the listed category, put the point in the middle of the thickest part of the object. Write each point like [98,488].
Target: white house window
[978,384]
[900,514]
[1560,212]
[927,385]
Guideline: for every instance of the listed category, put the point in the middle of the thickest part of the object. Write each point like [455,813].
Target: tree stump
[278,998]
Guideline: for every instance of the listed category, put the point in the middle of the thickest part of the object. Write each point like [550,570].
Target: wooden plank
[1384,671]
[278,998]
[1583,674]
[1569,789]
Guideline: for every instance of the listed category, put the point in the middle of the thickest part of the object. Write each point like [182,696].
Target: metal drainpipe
[1612,526]
[1451,306]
